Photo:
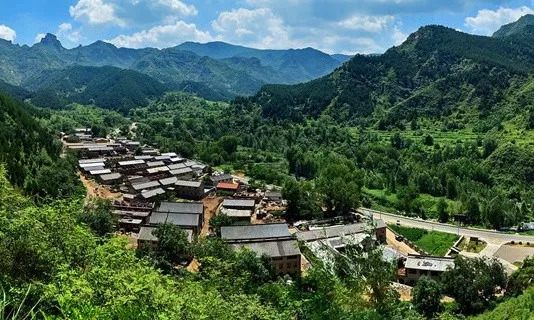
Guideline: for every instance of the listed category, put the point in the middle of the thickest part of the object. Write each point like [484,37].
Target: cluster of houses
[148,179]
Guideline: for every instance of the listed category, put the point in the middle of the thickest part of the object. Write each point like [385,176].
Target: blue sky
[341,26]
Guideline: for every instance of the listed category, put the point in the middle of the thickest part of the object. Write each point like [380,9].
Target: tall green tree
[427,297]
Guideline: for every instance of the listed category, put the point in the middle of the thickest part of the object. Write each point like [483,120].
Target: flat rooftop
[336,231]
[428,263]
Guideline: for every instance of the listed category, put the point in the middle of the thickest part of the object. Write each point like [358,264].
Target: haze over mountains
[217,70]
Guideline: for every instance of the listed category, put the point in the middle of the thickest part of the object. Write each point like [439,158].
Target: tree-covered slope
[522,27]
[176,67]
[520,308]
[216,70]
[437,72]
[30,154]
[106,87]
[294,65]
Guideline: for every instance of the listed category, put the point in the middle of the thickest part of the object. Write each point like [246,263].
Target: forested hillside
[30,154]
[208,74]
[438,72]
[294,65]
[107,87]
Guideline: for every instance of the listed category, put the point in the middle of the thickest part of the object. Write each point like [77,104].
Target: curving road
[490,236]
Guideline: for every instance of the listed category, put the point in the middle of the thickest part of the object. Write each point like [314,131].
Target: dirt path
[398,245]
[96,190]
[211,204]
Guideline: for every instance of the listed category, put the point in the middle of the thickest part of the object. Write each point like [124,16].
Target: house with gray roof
[186,215]
[239,204]
[417,266]
[271,240]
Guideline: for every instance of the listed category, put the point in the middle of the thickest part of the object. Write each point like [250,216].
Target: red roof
[227,186]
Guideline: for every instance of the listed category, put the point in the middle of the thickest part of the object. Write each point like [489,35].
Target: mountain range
[217,70]
[437,72]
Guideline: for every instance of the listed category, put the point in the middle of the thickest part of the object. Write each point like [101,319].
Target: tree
[442,206]
[489,145]
[301,200]
[427,297]
[473,283]
[530,121]
[172,247]
[229,143]
[338,185]
[429,141]
[220,220]
[98,215]
[522,278]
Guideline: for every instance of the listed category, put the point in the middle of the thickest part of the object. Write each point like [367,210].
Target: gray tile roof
[183,220]
[131,163]
[245,203]
[99,172]
[111,176]
[236,213]
[145,185]
[221,177]
[178,172]
[157,170]
[85,161]
[168,181]
[255,232]
[271,249]
[176,166]
[153,164]
[145,234]
[92,164]
[181,207]
[185,183]
[152,193]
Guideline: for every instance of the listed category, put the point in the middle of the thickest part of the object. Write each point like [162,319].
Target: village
[148,188]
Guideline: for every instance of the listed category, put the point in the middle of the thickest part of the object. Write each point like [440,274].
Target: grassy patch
[434,242]
[472,246]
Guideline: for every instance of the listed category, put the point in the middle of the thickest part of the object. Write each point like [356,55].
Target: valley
[218,181]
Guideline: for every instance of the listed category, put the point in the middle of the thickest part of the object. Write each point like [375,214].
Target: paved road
[490,236]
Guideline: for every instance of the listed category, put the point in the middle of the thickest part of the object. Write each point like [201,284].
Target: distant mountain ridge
[213,70]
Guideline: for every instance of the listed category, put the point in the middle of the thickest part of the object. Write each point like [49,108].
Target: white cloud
[364,45]
[163,36]
[95,12]
[488,21]
[179,6]
[259,28]
[38,37]
[398,36]
[65,31]
[367,23]
[7,33]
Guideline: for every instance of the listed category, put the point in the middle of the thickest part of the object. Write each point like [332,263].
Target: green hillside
[30,154]
[107,87]
[214,73]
